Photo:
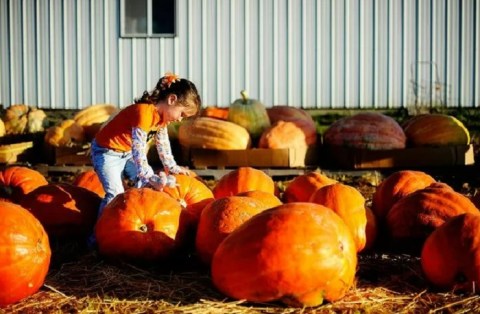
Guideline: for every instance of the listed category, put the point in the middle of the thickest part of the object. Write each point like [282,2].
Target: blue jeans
[111,167]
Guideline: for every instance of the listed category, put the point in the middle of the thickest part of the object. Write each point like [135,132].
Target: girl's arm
[162,142]
[144,170]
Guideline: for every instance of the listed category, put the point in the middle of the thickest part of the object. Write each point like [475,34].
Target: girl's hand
[178,170]
[158,182]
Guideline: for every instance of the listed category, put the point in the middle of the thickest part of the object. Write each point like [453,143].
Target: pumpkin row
[298,245]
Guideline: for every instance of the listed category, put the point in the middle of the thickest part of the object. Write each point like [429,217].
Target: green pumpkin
[249,113]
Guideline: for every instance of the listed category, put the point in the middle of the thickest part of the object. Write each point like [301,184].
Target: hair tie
[168,79]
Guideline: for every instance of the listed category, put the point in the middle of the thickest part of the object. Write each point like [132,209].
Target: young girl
[119,148]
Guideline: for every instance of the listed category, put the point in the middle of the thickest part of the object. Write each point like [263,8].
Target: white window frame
[149,33]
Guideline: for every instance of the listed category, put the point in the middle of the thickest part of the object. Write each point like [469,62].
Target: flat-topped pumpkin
[366,130]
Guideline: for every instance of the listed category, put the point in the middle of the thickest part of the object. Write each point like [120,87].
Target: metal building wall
[306,53]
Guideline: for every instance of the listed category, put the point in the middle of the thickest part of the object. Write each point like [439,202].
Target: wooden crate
[255,157]
[73,156]
[413,157]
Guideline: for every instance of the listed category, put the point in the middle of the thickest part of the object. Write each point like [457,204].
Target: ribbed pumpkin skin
[369,130]
[250,114]
[65,133]
[451,254]
[192,194]
[396,186]
[17,181]
[65,210]
[414,217]
[210,133]
[299,253]
[302,187]
[288,134]
[268,199]
[220,218]
[244,179]
[140,225]
[348,203]
[286,113]
[436,130]
[89,180]
[25,254]
[92,117]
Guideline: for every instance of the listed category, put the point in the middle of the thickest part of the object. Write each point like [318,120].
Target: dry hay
[89,284]
[81,281]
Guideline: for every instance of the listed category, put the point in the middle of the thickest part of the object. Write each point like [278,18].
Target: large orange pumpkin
[140,225]
[451,254]
[396,186]
[193,195]
[349,204]
[17,181]
[302,187]
[65,210]
[244,179]
[220,218]
[414,217]
[25,254]
[366,130]
[435,129]
[89,180]
[299,253]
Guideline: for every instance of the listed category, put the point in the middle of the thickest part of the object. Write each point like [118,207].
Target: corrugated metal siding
[304,53]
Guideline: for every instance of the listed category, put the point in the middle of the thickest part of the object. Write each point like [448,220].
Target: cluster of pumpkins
[20,119]
[299,246]
[247,123]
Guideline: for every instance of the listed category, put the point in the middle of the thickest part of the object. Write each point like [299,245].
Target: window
[147,18]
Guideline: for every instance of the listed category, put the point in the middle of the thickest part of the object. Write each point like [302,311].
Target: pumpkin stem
[143,228]
[244,96]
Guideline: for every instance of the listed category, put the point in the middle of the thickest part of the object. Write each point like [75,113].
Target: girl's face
[172,111]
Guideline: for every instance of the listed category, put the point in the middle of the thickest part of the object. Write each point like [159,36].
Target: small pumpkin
[396,186]
[21,118]
[451,254]
[65,210]
[18,181]
[215,112]
[250,114]
[366,130]
[414,217]
[436,130]
[66,133]
[244,179]
[220,218]
[193,195]
[25,255]
[299,253]
[303,186]
[348,203]
[89,180]
[140,225]
[269,199]
[288,134]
